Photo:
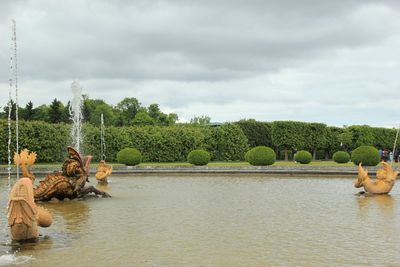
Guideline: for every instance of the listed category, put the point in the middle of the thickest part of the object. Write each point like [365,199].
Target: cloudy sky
[336,62]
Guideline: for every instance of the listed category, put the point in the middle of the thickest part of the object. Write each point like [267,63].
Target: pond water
[216,221]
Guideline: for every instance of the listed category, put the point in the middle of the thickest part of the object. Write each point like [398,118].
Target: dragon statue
[384,182]
[24,216]
[69,183]
[103,171]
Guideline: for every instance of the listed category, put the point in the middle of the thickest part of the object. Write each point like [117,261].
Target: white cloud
[335,62]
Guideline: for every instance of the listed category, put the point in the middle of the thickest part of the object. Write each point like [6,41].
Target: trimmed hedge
[341,157]
[129,156]
[261,156]
[199,157]
[367,155]
[158,144]
[303,157]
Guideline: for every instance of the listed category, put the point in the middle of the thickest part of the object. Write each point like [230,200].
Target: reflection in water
[384,203]
[72,213]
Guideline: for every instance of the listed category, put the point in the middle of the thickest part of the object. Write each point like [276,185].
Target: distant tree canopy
[128,112]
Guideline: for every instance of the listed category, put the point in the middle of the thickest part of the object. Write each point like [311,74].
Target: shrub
[367,155]
[303,157]
[129,156]
[199,157]
[341,157]
[261,156]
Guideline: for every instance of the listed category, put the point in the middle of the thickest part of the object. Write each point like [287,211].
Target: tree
[314,136]
[202,120]
[142,118]
[29,113]
[13,109]
[286,135]
[172,118]
[41,113]
[55,111]
[127,110]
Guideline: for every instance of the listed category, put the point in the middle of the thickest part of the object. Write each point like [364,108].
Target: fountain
[383,184]
[103,170]
[76,115]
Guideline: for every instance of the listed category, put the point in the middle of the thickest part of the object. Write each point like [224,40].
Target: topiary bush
[198,157]
[129,156]
[367,155]
[341,157]
[261,156]
[303,157]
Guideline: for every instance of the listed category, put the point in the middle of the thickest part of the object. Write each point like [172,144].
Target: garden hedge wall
[156,143]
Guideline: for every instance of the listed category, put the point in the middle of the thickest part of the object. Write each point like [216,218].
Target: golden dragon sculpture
[103,171]
[69,183]
[384,182]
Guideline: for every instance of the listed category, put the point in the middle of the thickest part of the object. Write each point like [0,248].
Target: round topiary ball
[303,157]
[367,155]
[341,157]
[199,157]
[129,156]
[261,156]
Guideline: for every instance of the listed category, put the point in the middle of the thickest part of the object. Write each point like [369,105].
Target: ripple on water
[9,259]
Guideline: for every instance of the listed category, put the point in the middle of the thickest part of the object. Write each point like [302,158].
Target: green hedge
[198,157]
[261,156]
[367,155]
[158,144]
[129,156]
[303,157]
[341,157]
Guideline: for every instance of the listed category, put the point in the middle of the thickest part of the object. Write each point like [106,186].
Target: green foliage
[314,136]
[258,133]
[198,157]
[129,156]
[200,120]
[48,140]
[226,142]
[142,118]
[367,155]
[341,157]
[288,134]
[261,156]
[361,135]
[303,157]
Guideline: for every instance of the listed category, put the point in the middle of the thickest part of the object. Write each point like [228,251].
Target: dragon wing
[386,174]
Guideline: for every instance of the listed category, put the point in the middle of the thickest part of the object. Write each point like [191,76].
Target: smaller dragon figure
[384,182]
[103,171]
[24,216]
[69,183]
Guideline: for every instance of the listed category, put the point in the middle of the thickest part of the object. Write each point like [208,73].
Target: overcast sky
[336,62]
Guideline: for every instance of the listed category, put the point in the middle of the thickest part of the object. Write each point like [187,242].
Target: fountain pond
[182,220]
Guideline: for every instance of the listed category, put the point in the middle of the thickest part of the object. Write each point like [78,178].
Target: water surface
[217,221]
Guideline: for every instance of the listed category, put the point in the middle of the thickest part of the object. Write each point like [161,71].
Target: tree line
[128,112]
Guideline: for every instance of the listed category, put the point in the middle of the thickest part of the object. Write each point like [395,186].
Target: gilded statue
[103,171]
[69,183]
[384,182]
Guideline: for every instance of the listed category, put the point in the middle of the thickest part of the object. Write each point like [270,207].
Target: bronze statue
[70,183]
[384,182]
[24,216]
[103,171]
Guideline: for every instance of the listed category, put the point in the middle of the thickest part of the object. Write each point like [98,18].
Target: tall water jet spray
[13,82]
[102,138]
[76,115]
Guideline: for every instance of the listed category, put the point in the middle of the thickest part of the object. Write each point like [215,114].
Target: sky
[335,62]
